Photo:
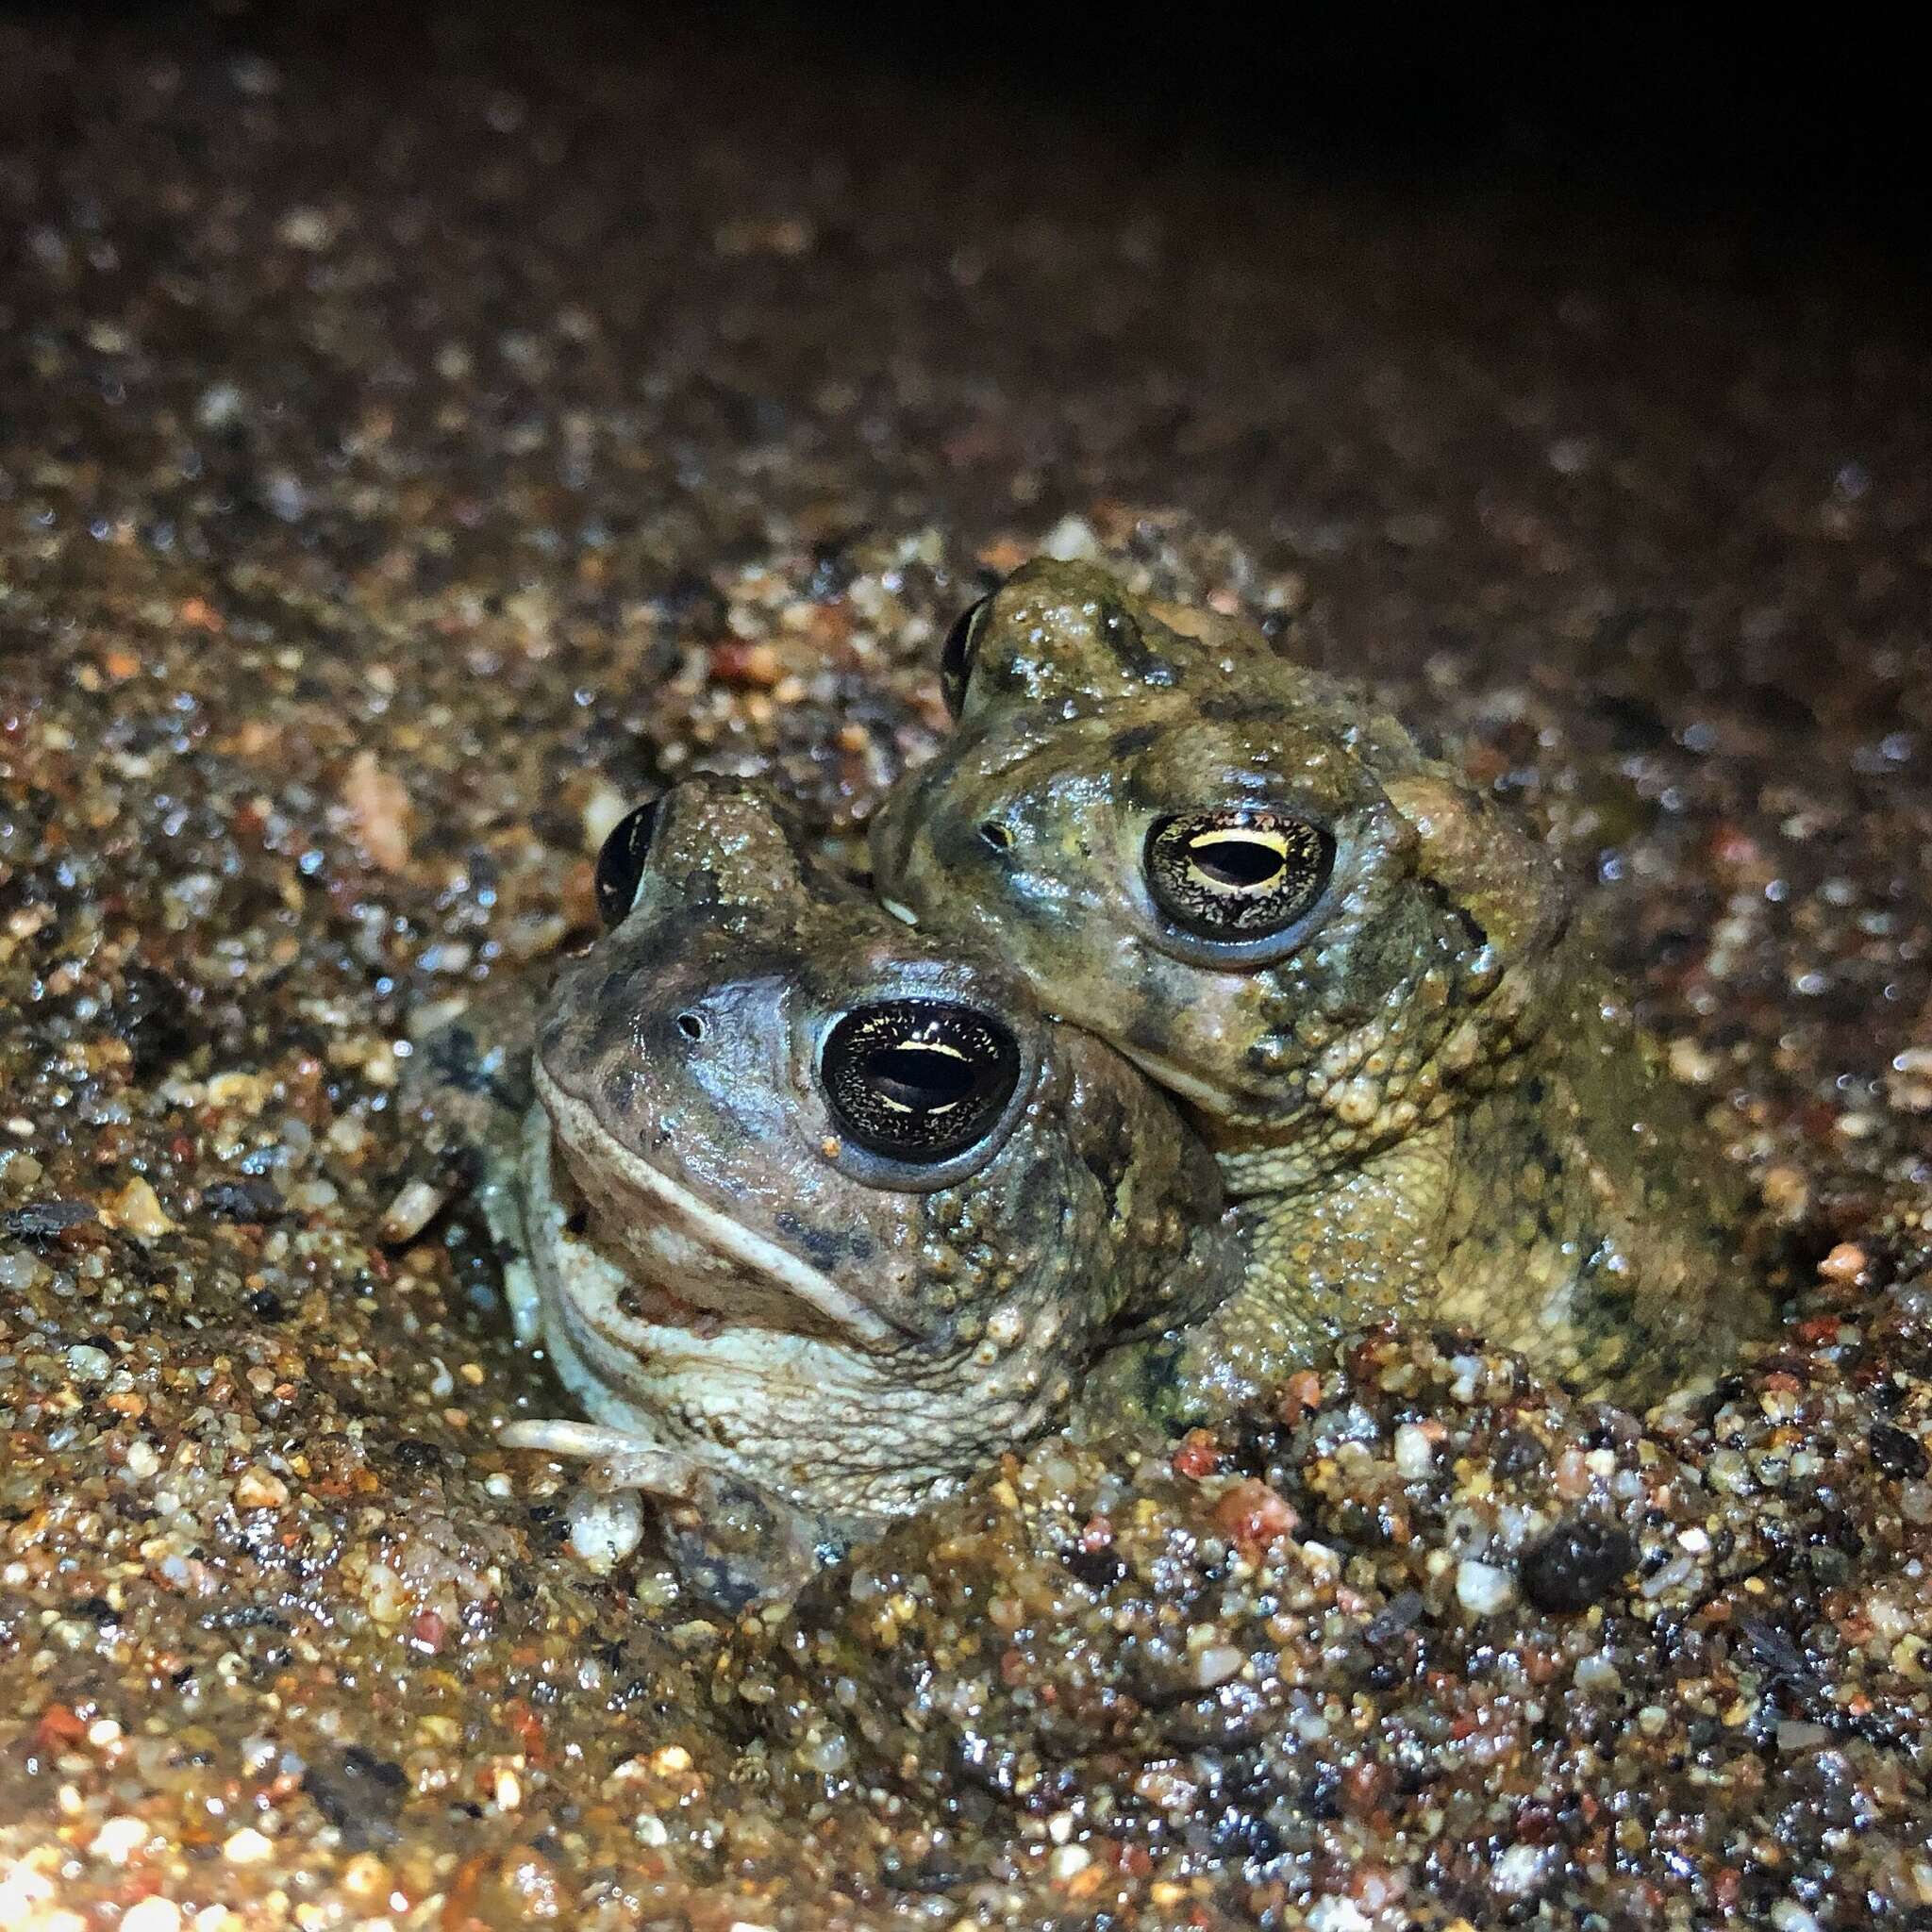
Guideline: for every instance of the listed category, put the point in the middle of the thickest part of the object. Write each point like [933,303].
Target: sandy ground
[407,450]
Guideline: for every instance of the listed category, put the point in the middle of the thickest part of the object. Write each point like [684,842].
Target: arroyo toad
[1368,983]
[815,1213]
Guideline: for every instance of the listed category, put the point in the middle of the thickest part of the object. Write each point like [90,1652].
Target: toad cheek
[693,1251]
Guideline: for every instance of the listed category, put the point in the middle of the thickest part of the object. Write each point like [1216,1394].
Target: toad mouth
[693,1266]
[1176,1079]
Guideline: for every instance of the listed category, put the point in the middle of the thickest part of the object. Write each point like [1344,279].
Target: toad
[1367,982]
[814,1213]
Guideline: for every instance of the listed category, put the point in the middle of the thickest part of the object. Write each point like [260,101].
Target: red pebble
[1251,1513]
[1301,1392]
[58,1729]
[1098,1534]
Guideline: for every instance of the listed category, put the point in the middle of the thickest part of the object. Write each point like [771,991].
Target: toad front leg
[733,1542]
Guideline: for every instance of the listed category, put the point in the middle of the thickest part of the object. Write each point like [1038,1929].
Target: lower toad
[814,1215]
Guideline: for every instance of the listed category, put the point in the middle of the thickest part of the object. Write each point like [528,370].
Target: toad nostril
[690,1025]
[995,835]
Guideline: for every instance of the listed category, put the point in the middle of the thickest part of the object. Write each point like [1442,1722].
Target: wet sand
[410,450]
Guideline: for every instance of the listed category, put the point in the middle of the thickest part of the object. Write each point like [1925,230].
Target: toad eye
[1243,874]
[918,1080]
[955,660]
[621,863]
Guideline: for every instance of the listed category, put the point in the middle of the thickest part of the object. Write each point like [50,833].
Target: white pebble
[416,1204]
[219,406]
[1337,1915]
[152,1915]
[1071,540]
[1482,1588]
[1788,1915]
[1069,1861]
[1597,1676]
[118,1840]
[17,1271]
[248,1847]
[1216,1664]
[1415,1454]
[601,809]
[604,1529]
[1519,1868]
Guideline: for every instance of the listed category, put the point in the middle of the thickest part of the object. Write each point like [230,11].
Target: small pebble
[1415,1454]
[258,1489]
[1071,540]
[118,1840]
[1795,1735]
[1597,1676]
[417,1203]
[151,1915]
[1578,1564]
[604,1529]
[1895,1451]
[1845,1262]
[1336,1914]
[1482,1588]
[1216,1664]
[1519,1868]
[137,1210]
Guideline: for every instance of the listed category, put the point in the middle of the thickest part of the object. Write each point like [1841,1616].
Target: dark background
[1803,135]
[1712,116]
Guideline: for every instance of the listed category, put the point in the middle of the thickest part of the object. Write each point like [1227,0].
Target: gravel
[414,448]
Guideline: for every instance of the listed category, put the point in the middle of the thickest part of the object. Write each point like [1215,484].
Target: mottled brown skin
[1424,1093]
[788,1338]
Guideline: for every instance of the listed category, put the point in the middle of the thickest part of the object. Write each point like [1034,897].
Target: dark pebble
[152,1014]
[359,1793]
[1518,1453]
[1579,1563]
[1096,1569]
[1898,1453]
[1775,1649]
[1395,1617]
[249,1199]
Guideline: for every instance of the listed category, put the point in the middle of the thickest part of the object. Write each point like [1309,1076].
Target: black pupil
[621,863]
[955,660]
[1241,862]
[1238,874]
[919,1080]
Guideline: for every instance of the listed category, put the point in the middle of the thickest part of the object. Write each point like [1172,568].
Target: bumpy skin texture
[794,1338]
[1424,1093]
